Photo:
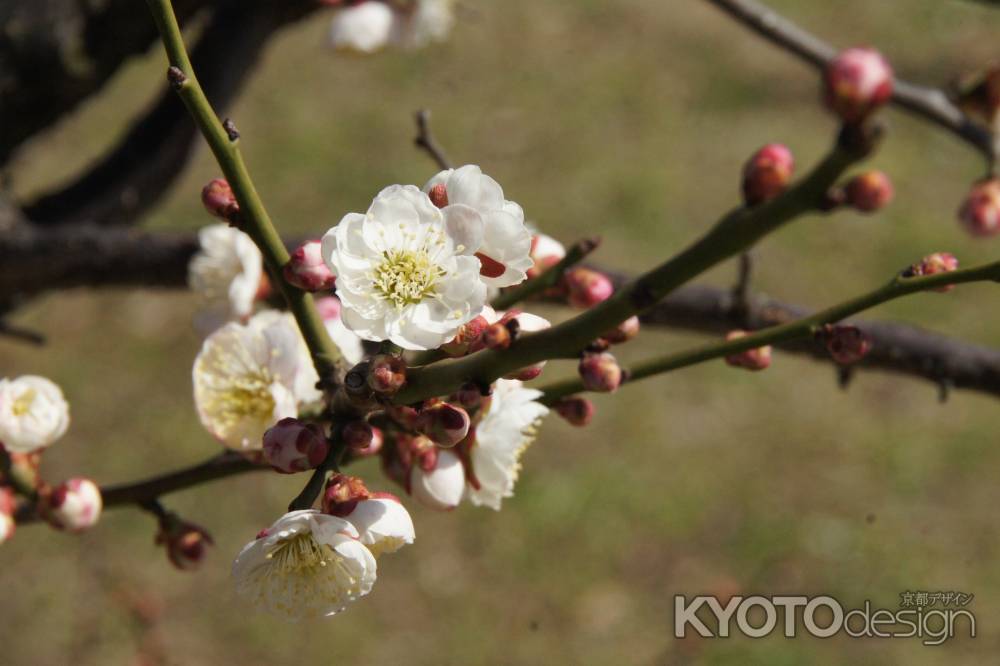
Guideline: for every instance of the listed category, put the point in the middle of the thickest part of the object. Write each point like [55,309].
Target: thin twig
[21,334]
[550,278]
[425,139]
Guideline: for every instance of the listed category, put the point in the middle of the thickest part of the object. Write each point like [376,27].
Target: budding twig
[550,278]
[425,139]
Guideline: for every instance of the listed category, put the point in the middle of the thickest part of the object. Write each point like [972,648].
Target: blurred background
[623,118]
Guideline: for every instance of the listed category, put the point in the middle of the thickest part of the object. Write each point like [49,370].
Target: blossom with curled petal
[506,430]
[383,523]
[405,270]
[249,376]
[306,565]
[33,413]
[505,250]
[225,273]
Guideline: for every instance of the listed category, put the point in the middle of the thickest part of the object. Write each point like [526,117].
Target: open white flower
[33,413]
[505,251]
[507,429]
[249,376]
[405,271]
[225,272]
[306,565]
[371,26]
[383,524]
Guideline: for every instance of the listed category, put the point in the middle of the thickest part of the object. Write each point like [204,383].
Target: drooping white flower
[225,273]
[507,429]
[33,413]
[371,26]
[405,271]
[306,565]
[75,505]
[249,376]
[505,251]
[383,523]
[441,486]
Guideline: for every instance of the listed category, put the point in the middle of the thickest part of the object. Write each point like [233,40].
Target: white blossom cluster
[372,25]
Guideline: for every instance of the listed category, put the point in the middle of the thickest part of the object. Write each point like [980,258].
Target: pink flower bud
[186,543]
[378,438]
[446,424]
[587,288]
[469,395]
[342,494]
[219,199]
[546,252]
[600,372]
[846,344]
[980,212]
[869,191]
[496,336]
[525,322]
[8,506]
[74,505]
[358,436]
[387,374]
[576,410]
[932,264]
[750,359]
[856,83]
[767,173]
[439,195]
[23,468]
[468,335]
[307,270]
[623,332]
[442,485]
[292,446]
[404,415]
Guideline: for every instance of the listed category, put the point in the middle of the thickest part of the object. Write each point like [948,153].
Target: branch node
[176,77]
[230,127]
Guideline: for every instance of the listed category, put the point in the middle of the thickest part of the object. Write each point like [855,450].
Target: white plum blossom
[440,487]
[424,22]
[507,429]
[371,26]
[306,565]
[405,270]
[505,251]
[33,413]
[225,273]
[249,376]
[347,341]
[75,505]
[383,523]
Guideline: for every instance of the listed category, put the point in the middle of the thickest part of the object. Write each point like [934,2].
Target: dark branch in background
[928,103]
[425,140]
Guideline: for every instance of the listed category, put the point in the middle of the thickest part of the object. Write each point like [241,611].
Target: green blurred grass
[629,119]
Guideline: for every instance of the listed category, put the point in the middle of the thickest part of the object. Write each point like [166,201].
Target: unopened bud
[444,423]
[576,410]
[600,372]
[980,212]
[219,199]
[292,446]
[586,288]
[387,374]
[23,468]
[932,264]
[869,191]
[441,485]
[358,435]
[468,334]
[857,82]
[74,505]
[307,270]
[546,252]
[439,195]
[186,543]
[767,173]
[496,336]
[375,446]
[404,415]
[469,395]
[758,358]
[342,494]
[846,344]
[623,332]
[8,506]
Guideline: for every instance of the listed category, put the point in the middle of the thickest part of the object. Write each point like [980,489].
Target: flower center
[300,553]
[246,395]
[22,404]
[406,277]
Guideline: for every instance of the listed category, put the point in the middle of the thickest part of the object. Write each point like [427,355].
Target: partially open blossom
[586,288]
[7,509]
[623,332]
[306,565]
[219,200]
[33,413]
[440,483]
[74,505]
[546,252]
[383,523]
[505,431]
[869,191]
[767,173]
[980,212]
[445,424]
[292,446]
[249,376]
[342,493]
[405,270]
[387,374]
[600,372]
[857,82]
[758,358]
[187,544]
[475,200]
[358,435]
[576,410]
[932,264]
[846,344]
[306,269]
[225,273]
[525,322]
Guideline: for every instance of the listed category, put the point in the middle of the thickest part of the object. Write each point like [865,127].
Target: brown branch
[425,139]
[928,103]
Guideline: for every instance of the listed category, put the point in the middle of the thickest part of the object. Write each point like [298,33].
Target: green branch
[550,278]
[801,328]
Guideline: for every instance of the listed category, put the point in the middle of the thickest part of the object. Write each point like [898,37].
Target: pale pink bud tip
[846,344]
[932,264]
[980,212]
[219,200]
[293,446]
[342,494]
[857,82]
[869,191]
[576,410]
[767,173]
[586,288]
[358,435]
[186,543]
[8,506]
[387,374]
[444,423]
[623,332]
[749,359]
[600,372]
[307,270]
[74,505]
